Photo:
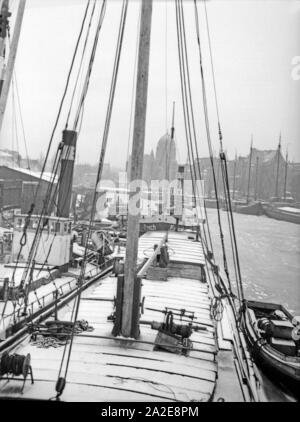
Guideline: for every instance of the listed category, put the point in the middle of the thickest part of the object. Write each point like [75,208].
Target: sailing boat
[162,326]
[46,261]
[251,207]
[282,207]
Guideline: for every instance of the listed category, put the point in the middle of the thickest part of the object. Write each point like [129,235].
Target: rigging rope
[189,119]
[62,380]
[48,203]
[133,88]
[81,61]
[223,164]
[207,126]
[64,93]
[90,67]
[48,151]
[197,161]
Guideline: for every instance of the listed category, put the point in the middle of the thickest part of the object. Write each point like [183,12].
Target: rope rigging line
[226,202]
[232,228]
[213,74]
[133,88]
[90,66]
[63,96]
[16,96]
[191,136]
[183,93]
[81,61]
[57,160]
[42,223]
[21,120]
[62,380]
[207,126]
[223,163]
[197,161]
[51,138]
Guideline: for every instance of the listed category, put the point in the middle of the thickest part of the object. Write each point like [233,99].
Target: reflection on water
[269,255]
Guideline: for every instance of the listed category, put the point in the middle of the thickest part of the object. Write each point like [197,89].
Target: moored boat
[273,335]
[283,213]
[254,208]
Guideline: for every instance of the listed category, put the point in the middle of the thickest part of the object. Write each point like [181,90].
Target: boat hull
[278,214]
[283,368]
[251,209]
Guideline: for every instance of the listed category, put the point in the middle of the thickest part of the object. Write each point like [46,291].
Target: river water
[269,253]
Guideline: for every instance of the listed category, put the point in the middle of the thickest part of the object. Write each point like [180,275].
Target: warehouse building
[18,188]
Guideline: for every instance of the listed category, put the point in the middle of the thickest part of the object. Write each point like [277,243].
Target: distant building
[293,180]
[9,158]
[263,175]
[18,188]
[165,158]
[161,166]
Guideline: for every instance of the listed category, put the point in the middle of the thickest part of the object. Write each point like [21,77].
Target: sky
[253,44]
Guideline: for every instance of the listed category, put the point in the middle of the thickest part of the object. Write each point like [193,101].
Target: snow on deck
[107,369]
[42,296]
[181,248]
[290,209]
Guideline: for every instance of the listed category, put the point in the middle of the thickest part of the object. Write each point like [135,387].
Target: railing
[42,301]
[149,262]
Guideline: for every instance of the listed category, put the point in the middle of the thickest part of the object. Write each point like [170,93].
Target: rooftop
[47,176]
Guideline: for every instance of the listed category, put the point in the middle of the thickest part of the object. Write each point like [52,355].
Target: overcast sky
[253,42]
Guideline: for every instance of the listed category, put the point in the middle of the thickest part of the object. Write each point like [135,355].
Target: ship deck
[40,296]
[108,369]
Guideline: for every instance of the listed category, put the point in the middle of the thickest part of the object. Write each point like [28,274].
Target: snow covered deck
[107,369]
[41,296]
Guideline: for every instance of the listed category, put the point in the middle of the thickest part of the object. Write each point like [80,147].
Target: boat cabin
[55,246]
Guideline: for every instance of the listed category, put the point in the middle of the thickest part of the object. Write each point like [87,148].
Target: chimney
[65,181]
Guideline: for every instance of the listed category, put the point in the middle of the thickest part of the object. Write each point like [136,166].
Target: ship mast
[256,178]
[8,73]
[130,323]
[249,170]
[277,171]
[4,15]
[285,174]
[234,177]
[173,123]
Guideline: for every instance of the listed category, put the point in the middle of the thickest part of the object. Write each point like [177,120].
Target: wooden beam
[11,60]
[149,262]
[128,330]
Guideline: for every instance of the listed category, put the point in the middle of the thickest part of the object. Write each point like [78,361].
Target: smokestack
[65,181]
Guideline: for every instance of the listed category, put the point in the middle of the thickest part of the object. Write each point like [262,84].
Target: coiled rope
[14,364]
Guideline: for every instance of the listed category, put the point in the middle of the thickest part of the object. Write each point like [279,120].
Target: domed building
[162,166]
[165,158]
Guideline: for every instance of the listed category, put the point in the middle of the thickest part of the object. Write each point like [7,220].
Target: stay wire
[104,142]
[81,61]
[91,62]
[193,125]
[64,94]
[224,162]
[188,106]
[57,118]
[207,126]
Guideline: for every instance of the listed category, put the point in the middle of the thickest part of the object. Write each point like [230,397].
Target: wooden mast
[234,177]
[4,22]
[285,174]
[277,171]
[256,178]
[168,148]
[173,122]
[11,60]
[130,325]
[249,170]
